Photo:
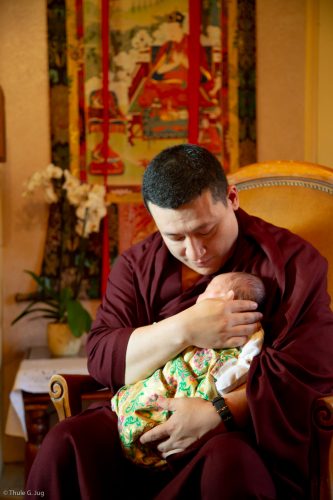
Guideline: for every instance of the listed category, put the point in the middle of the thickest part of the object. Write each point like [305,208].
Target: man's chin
[203,269]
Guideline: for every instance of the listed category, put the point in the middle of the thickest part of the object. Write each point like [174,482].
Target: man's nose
[194,249]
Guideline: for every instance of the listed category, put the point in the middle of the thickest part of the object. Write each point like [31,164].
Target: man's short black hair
[179,174]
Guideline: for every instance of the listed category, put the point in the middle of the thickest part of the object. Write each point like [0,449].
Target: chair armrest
[323,413]
[323,420]
[68,391]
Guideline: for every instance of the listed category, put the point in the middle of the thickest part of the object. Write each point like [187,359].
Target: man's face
[200,234]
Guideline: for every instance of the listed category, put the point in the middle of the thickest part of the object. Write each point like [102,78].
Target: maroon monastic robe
[81,457]
[296,364]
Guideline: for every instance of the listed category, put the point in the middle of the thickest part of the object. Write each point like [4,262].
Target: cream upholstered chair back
[294,195]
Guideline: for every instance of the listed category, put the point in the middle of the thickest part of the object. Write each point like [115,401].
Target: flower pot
[61,341]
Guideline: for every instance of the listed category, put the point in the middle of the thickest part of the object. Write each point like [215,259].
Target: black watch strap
[223,410]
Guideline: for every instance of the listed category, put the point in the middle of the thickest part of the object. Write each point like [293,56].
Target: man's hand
[211,324]
[220,323]
[190,420]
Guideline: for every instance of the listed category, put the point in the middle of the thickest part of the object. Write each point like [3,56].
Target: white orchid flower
[99,190]
[71,182]
[89,217]
[77,194]
[49,194]
[32,183]
[43,179]
[94,200]
[54,172]
[89,200]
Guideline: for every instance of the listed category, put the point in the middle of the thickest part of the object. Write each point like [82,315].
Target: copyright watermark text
[18,493]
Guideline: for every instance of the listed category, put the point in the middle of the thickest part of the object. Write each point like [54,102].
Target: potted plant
[83,206]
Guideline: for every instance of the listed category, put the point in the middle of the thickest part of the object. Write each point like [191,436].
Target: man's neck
[189,277]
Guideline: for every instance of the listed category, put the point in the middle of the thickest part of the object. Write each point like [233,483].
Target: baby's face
[217,288]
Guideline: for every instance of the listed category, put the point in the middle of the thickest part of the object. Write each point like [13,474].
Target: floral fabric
[195,372]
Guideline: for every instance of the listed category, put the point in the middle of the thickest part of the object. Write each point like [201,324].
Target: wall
[23,77]
[325,84]
[295,80]
[280,79]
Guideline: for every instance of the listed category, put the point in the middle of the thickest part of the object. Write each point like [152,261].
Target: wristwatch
[223,410]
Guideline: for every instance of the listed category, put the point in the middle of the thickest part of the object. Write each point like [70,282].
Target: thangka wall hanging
[131,77]
[147,74]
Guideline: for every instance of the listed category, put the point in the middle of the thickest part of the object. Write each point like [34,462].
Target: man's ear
[232,197]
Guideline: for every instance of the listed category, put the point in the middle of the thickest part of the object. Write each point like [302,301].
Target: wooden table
[37,408]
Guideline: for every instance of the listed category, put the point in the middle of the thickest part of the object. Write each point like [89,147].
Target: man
[261,446]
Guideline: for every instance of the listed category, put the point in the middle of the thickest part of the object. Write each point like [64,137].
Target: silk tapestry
[131,77]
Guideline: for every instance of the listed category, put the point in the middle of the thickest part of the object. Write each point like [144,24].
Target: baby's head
[244,285]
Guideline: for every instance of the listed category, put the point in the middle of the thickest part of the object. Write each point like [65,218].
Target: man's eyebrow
[195,230]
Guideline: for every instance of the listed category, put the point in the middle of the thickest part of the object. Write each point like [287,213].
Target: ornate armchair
[298,196]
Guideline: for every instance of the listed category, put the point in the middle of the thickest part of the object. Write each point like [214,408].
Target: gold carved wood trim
[58,391]
[286,181]
[284,170]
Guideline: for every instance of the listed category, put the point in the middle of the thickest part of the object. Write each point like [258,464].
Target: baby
[196,372]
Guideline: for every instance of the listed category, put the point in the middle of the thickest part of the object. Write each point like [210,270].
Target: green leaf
[30,309]
[44,285]
[47,316]
[66,294]
[64,297]
[39,279]
[79,319]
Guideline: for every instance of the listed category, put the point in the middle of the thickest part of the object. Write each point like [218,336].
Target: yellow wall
[325,84]
[280,79]
[23,77]
[295,80]
[282,96]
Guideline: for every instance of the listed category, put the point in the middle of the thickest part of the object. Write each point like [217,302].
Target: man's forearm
[212,323]
[238,405]
[151,346]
